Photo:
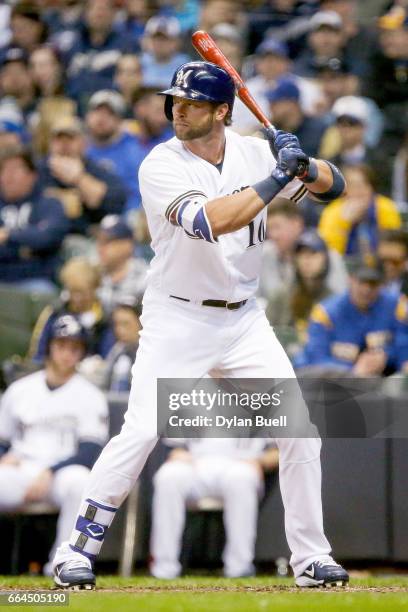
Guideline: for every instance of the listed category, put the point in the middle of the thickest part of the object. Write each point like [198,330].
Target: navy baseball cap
[311,240]
[15,54]
[68,326]
[272,47]
[114,227]
[285,90]
[368,271]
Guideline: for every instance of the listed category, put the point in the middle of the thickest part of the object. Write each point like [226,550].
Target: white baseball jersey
[174,184]
[45,426]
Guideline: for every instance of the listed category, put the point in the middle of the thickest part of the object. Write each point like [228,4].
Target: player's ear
[221,111]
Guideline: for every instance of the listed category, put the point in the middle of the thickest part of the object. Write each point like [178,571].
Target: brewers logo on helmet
[201,81]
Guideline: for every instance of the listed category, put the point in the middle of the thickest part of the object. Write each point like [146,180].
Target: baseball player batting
[205,192]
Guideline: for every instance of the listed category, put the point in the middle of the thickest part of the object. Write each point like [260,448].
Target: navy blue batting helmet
[201,81]
[68,326]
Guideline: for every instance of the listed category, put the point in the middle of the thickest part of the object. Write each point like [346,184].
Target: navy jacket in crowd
[112,203]
[123,157]
[338,331]
[89,67]
[37,227]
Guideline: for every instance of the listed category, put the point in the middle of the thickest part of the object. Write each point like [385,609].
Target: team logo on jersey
[95,530]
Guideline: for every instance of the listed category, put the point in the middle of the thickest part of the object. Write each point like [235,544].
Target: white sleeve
[8,425]
[94,426]
[295,191]
[165,187]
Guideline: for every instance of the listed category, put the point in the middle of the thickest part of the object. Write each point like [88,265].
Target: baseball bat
[209,51]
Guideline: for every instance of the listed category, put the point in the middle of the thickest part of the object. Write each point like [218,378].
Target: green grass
[211,594]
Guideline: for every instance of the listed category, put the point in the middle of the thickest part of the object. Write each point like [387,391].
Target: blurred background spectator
[284,228]
[214,12]
[287,114]
[129,79]
[137,14]
[325,40]
[393,255]
[150,126]
[27,28]
[122,274]
[80,281]
[87,190]
[91,51]
[117,151]
[17,84]
[387,77]
[358,330]
[351,224]
[121,357]
[32,225]
[161,56]
[291,305]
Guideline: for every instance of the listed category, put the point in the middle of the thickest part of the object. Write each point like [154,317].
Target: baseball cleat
[75,575]
[322,573]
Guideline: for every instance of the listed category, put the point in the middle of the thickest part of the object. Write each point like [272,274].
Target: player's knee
[74,480]
[242,476]
[172,475]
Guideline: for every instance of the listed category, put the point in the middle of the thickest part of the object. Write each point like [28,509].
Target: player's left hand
[294,162]
[278,140]
[39,487]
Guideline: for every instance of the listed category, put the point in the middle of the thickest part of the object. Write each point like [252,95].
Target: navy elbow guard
[337,187]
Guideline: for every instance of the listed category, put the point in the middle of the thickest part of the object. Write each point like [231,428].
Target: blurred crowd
[79,112]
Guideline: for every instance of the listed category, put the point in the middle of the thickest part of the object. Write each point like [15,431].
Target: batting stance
[53,424]
[205,193]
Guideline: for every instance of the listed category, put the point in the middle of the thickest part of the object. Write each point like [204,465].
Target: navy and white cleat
[75,575]
[322,573]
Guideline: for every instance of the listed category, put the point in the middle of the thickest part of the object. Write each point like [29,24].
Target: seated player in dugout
[53,425]
[205,193]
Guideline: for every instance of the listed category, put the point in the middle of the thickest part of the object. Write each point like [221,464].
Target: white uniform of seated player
[230,470]
[53,424]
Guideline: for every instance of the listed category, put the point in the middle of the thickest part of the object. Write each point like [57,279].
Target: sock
[91,526]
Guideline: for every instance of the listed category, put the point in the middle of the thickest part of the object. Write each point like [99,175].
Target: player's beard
[197,131]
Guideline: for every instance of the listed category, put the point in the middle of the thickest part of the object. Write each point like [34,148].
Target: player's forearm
[231,213]
[325,181]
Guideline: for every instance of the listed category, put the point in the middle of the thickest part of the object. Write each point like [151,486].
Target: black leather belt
[215,303]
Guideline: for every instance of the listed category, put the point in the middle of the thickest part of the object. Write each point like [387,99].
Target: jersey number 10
[256,235]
